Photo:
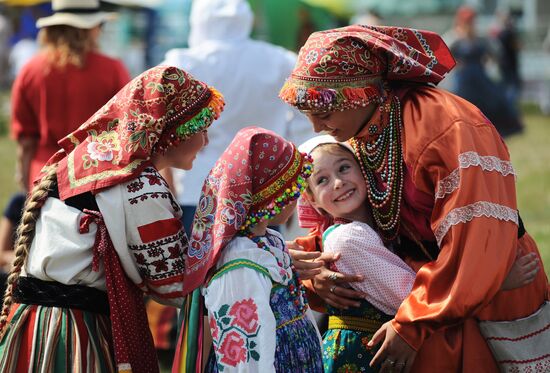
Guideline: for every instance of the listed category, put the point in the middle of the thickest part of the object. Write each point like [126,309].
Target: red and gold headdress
[257,175]
[156,110]
[345,68]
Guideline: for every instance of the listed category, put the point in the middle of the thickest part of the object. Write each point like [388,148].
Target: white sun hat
[84,14]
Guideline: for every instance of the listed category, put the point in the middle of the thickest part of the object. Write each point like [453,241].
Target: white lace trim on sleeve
[450,183]
[475,210]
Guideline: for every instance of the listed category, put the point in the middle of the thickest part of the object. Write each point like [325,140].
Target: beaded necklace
[381,162]
[299,292]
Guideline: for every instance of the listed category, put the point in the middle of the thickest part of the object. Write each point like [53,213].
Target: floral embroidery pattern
[102,147]
[233,213]
[245,315]
[234,329]
[203,220]
[161,259]
[151,177]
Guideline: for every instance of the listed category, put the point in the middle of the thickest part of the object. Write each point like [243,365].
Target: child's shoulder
[350,231]
[242,252]
[241,247]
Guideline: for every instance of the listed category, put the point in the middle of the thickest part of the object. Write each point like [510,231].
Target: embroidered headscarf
[257,175]
[308,216]
[156,110]
[345,68]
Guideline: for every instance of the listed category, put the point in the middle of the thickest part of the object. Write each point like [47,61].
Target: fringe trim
[340,97]
[275,200]
[204,118]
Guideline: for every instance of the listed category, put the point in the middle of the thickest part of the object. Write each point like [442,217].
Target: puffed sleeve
[240,317]
[143,221]
[388,280]
[475,223]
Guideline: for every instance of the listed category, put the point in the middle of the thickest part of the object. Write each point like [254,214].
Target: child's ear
[309,196]
[311,199]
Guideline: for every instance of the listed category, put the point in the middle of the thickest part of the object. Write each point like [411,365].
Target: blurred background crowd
[502,48]
[146,29]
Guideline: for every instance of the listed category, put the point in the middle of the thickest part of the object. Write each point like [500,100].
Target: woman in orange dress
[440,184]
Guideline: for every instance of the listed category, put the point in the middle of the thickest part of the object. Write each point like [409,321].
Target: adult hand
[328,285]
[304,262]
[395,355]
[523,272]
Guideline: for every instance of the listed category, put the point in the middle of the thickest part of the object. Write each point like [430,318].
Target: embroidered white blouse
[241,291]
[387,278]
[142,218]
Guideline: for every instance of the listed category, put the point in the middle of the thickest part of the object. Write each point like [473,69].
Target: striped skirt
[53,339]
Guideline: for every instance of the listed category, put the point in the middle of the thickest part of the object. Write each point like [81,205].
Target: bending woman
[440,185]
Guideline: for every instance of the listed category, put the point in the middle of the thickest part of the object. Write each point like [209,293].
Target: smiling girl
[337,191]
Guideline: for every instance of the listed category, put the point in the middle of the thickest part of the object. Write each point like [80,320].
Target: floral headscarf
[345,68]
[156,110]
[257,175]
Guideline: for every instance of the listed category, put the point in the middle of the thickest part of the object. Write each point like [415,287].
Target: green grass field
[530,155]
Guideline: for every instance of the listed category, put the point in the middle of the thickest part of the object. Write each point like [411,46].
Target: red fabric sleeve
[24,122]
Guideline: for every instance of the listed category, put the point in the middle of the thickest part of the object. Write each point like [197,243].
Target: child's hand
[523,272]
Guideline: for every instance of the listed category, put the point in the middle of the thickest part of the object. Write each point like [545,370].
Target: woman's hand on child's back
[328,285]
[523,272]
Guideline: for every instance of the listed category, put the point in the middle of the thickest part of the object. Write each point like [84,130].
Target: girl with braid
[101,228]
[441,189]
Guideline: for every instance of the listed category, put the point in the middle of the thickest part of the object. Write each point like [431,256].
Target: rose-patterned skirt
[297,348]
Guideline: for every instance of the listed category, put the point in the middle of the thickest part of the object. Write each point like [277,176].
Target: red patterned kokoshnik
[156,110]
[257,175]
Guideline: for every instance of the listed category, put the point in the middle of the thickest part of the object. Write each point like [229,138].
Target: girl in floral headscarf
[440,186]
[101,228]
[258,316]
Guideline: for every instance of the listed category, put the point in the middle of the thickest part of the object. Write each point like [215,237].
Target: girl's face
[342,125]
[337,185]
[183,155]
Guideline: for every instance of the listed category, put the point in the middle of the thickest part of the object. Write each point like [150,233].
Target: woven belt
[360,324]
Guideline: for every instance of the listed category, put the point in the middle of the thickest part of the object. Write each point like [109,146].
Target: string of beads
[381,162]
[298,292]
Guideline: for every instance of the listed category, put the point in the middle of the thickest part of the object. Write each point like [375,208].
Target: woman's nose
[318,127]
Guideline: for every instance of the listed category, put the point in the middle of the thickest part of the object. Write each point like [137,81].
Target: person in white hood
[248,72]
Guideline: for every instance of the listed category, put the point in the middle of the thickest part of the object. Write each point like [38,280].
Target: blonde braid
[25,235]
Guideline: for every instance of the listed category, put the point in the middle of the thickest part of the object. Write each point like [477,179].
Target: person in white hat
[62,85]
[83,14]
